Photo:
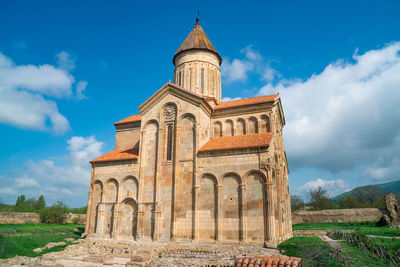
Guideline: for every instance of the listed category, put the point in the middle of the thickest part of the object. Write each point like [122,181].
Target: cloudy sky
[69,70]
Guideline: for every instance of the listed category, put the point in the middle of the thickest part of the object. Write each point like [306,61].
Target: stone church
[190,167]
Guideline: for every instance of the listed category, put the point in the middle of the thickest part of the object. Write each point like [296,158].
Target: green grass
[311,249]
[365,228]
[38,226]
[390,243]
[360,257]
[13,245]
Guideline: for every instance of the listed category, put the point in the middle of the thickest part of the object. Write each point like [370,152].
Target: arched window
[202,80]
[265,124]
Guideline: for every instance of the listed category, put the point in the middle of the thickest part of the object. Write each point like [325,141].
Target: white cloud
[80,87]
[24,182]
[251,54]
[24,93]
[347,116]
[230,99]
[56,178]
[334,187]
[65,61]
[238,69]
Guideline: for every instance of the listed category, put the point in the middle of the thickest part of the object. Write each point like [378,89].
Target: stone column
[140,222]
[195,213]
[270,211]
[175,174]
[157,205]
[89,212]
[243,219]
[117,221]
[220,215]
[157,221]
[100,220]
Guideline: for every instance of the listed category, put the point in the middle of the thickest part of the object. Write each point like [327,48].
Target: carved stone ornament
[170,112]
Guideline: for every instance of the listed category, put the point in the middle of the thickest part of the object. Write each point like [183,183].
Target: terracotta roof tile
[237,142]
[247,261]
[132,118]
[246,101]
[118,154]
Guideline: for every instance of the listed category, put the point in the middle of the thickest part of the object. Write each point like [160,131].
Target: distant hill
[384,188]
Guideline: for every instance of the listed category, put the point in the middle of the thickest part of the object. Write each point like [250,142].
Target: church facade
[190,167]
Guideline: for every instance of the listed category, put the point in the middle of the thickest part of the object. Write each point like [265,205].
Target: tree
[20,204]
[296,202]
[57,213]
[41,203]
[319,199]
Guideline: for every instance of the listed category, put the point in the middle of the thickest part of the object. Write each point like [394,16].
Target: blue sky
[70,69]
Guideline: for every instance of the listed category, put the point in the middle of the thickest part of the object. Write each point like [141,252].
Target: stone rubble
[49,245]
[100,252]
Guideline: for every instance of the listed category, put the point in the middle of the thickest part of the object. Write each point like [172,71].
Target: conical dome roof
[197,40]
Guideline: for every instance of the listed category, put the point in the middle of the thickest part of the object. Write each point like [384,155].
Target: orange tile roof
[132,118]
[246,101]
[118,154]
[245,261]
[237,142]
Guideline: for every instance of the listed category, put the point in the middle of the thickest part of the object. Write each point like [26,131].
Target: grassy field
[312,250]
[366,228]
[360,257]
[24,242]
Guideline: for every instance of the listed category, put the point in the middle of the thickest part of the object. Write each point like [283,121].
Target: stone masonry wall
[30,217]
[341,215]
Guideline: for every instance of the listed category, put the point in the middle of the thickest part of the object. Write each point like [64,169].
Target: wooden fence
[367,244]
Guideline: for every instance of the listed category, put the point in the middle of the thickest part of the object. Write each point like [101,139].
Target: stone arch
[253,125]
[240,127]
[151,121]
[231,207]
[255,205]
[217,129]
[129,187]
[208,207]
[265,124]
[228,129]
[128,221]
[111,190]
[97,198]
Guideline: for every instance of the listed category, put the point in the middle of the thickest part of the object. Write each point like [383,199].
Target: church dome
[197,40]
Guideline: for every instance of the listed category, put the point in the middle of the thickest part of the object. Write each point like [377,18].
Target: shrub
[56,213]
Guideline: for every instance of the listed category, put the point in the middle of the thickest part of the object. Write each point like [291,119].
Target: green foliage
[56,213]
[41,203]
[296,202]
[319,199]
[82,210]
[311,249]
[365,228]
[29,205]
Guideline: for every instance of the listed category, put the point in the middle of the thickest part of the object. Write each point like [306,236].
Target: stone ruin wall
[339,215]
[30,217]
